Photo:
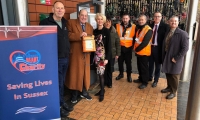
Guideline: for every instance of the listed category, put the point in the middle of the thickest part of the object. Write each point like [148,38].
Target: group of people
[153,44]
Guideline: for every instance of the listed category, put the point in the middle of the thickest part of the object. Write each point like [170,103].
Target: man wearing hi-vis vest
[142,48]
[126,32]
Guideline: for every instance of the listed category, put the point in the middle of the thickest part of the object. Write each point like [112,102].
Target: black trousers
[172,81]
[154,61]
[143,69]
[108,72]
[127,57]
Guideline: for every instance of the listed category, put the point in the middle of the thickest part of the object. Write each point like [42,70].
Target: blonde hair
[100,15]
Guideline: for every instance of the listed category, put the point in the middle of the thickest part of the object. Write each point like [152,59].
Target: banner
[29,73]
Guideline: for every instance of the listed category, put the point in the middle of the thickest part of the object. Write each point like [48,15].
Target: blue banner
[29,73]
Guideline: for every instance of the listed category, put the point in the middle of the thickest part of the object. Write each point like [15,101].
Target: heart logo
[26,62]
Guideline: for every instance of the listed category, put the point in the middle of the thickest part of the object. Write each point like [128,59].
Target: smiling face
[108,24]
[100,21]
[83,16]
[142,20]
[58,10]
[173,22]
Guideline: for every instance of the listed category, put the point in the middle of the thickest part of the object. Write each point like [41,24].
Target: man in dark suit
[159,30]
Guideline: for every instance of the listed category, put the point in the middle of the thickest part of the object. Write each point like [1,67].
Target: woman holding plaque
[103,51]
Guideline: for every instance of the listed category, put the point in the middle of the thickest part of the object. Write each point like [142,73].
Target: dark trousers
[172,81]
[127,57]
[153,60]
[108,72]
[143,69]
[62,69]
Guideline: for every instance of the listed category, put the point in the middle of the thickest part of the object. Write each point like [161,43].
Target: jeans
[62,69]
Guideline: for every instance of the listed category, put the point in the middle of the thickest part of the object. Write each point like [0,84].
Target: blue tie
[83,27]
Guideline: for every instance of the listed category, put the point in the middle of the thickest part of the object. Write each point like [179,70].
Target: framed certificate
[89,44]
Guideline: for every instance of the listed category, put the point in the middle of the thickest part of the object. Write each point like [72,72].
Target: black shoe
[109,86]
[97,94]
[154,84]
[142,86]
[166,90]
[129,79]
[170,96]
[67,108]
[119,76]
[63,113]
[150,79]
[137,81]
[87,97]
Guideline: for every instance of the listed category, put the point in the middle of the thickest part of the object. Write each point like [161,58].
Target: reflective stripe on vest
[126,41]
[139,38]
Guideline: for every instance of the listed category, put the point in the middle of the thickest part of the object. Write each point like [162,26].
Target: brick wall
[35,8]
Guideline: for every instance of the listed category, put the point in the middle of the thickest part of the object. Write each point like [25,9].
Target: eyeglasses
[156,16]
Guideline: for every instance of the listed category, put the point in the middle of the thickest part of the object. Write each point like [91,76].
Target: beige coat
[78,73]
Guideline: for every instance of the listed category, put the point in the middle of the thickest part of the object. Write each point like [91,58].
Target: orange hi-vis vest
[138,40]
[127,40]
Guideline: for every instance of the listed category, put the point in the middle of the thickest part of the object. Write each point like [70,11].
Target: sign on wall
[29,73]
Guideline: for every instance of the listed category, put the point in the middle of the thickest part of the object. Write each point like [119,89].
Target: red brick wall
[35,8]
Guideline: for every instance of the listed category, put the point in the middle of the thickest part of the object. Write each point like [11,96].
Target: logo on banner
[30,110]
[26,62]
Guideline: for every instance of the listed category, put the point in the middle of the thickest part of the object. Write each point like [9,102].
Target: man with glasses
[159,30]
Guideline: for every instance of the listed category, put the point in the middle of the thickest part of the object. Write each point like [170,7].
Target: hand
[83,34]
[173,60]
[116,57]
[105,62]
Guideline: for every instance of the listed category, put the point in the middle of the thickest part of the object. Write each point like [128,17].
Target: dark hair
[157,12]
[109,18]
[58,1]
[125,14]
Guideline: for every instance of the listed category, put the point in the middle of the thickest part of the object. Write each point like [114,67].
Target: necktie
[169,35]
[154,34]
[83,27]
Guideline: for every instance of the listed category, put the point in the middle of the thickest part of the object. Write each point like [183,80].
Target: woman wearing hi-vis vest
[142,48]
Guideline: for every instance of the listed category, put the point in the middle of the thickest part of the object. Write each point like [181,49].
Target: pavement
[124,101]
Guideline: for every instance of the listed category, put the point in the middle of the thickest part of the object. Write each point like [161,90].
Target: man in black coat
[56,18]
[159,30]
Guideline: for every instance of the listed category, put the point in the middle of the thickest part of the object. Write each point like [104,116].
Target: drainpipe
[103,7]
[193,7]
[193,105]
[21,12]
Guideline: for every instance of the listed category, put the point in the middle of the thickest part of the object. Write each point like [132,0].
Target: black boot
[129,79]
[119,76]
[101,96]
